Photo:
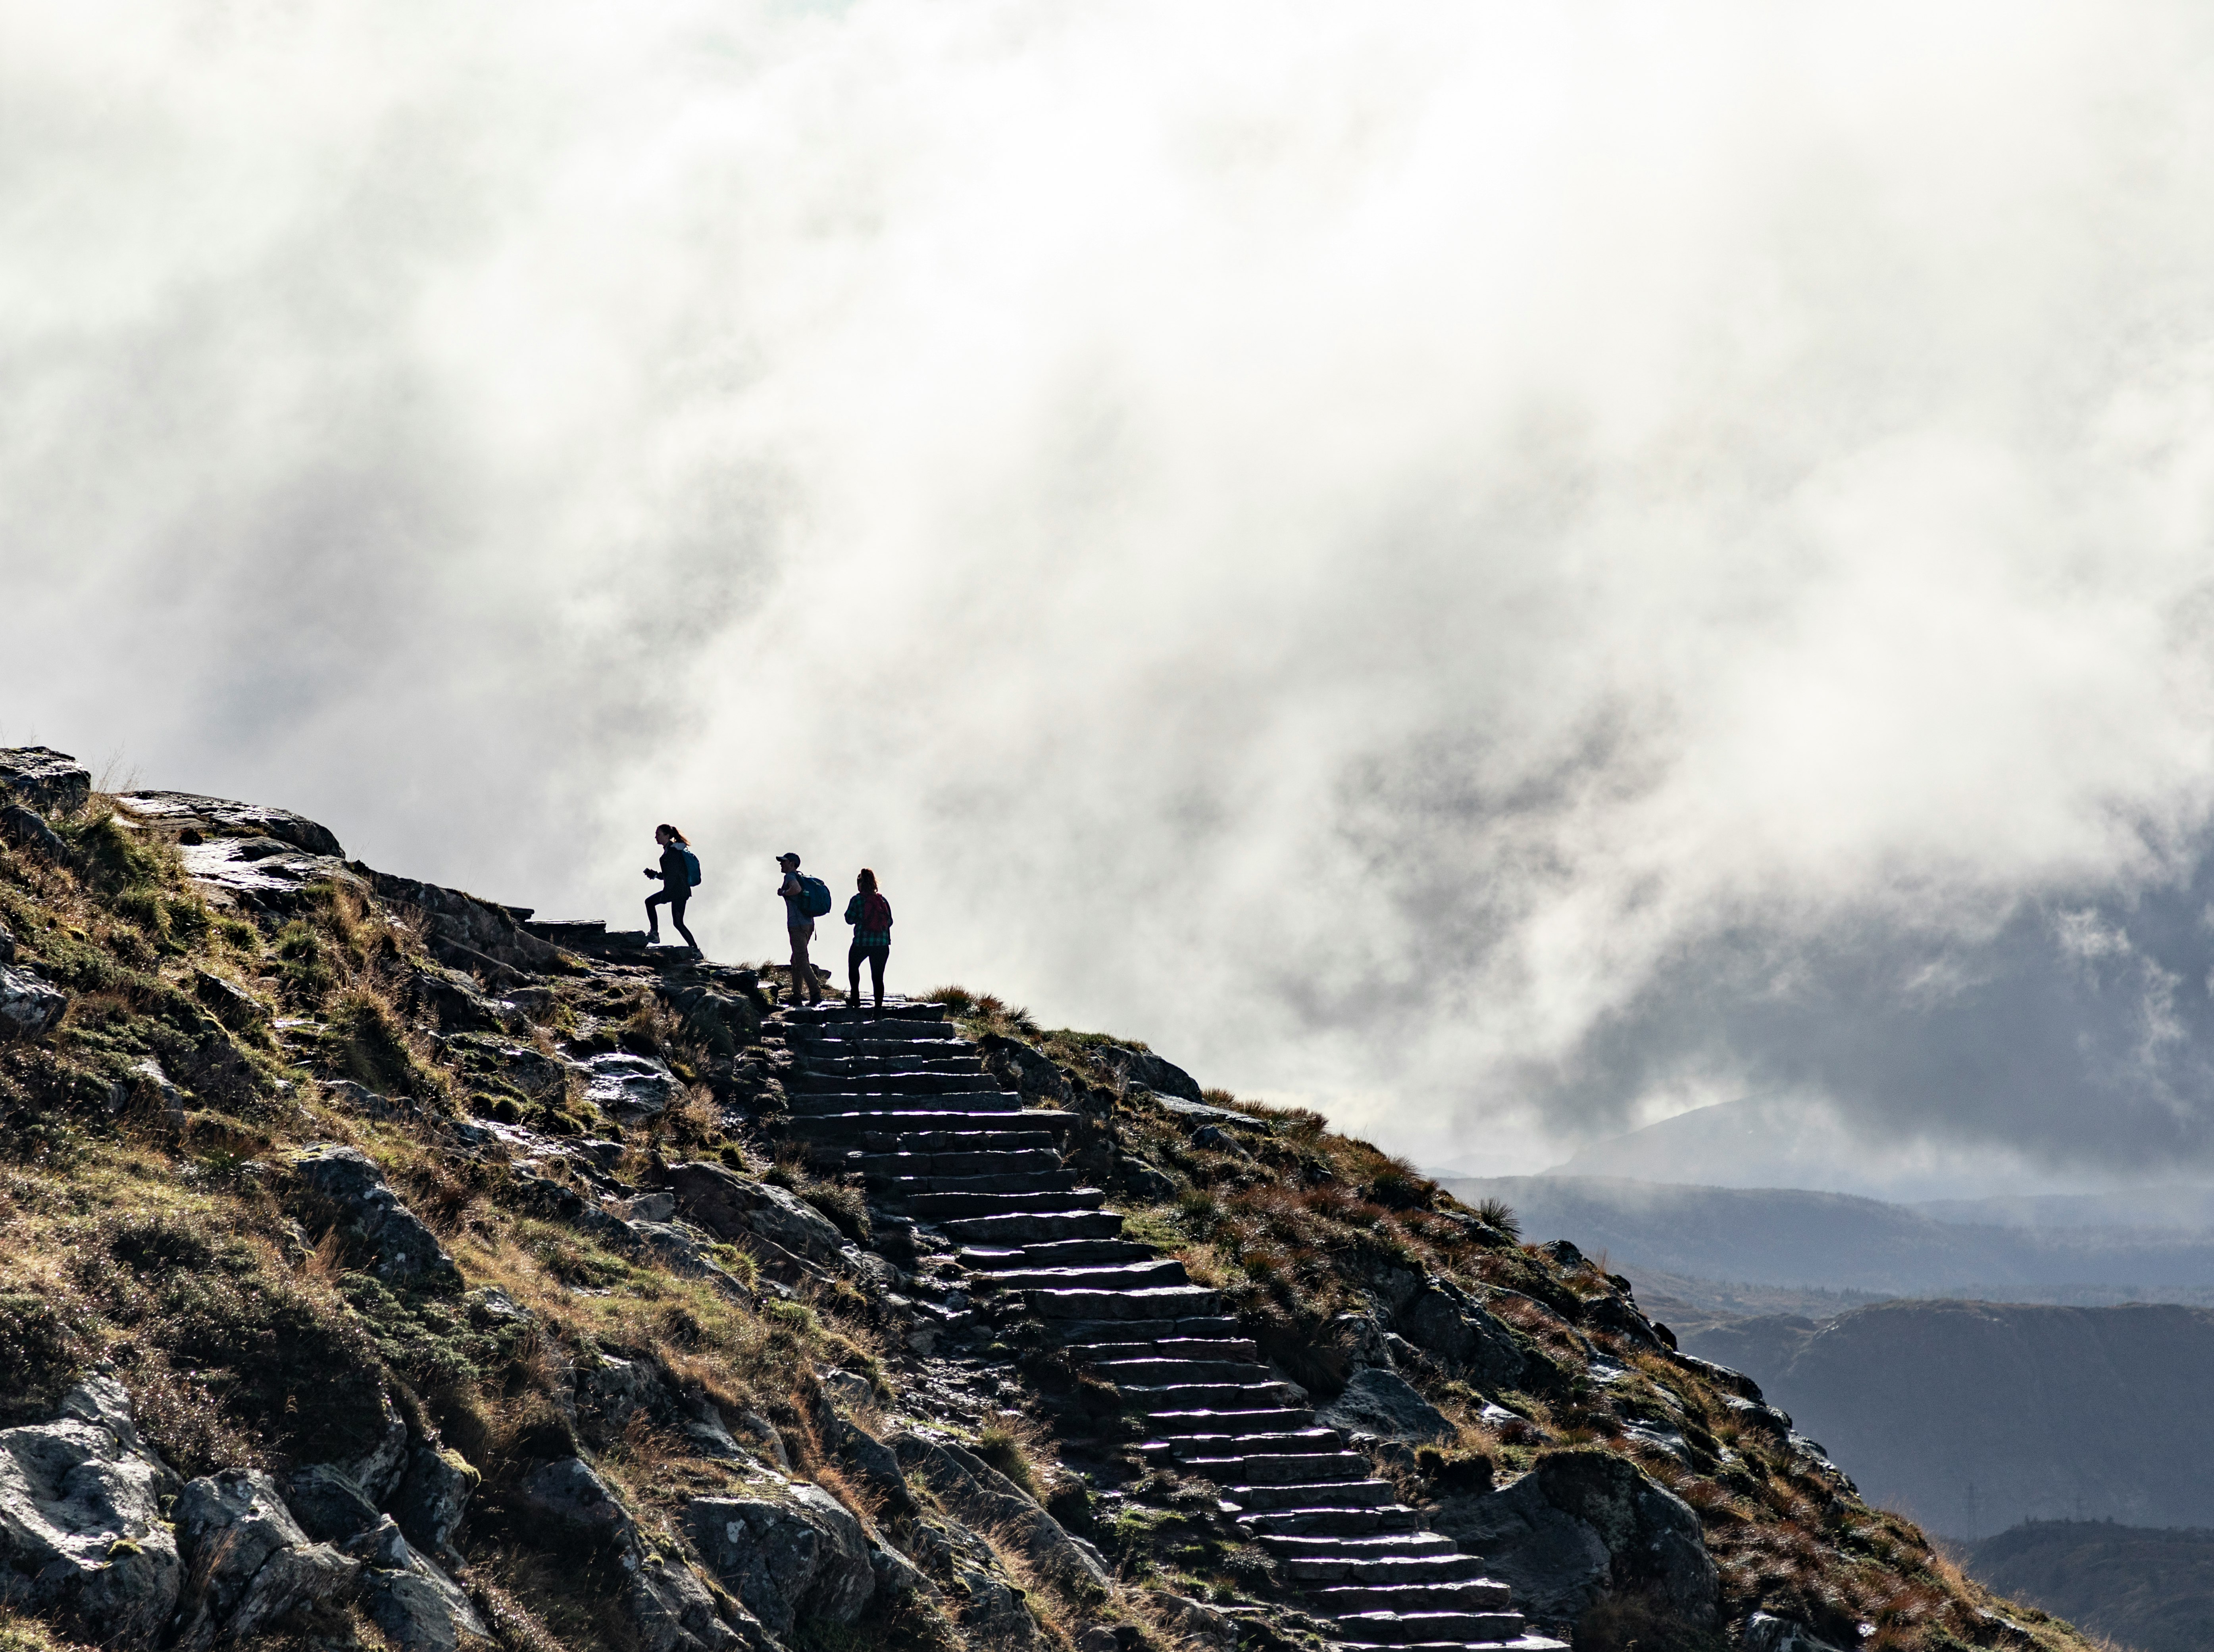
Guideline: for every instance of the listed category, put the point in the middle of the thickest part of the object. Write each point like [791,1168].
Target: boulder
[433,1498]
[418,1606]
[1443,1320]
[1383,1403]
[982,1496]
[455,918]
[1580,1525]
[7,945]
[868,1457]
[328,1502]
[82,1536]
[1765,1632]
[46,780]
[403,1251]
[28,1006]
[1142,1180]
[1194,1621]
[737,1207]
[789,1551]
[378,1471]
[1030,1072]
[992,1609]
[154,1088]
[251,1567]
[221,817]
[575,1503]
[24,828]
[1144,1067]
[630,1086]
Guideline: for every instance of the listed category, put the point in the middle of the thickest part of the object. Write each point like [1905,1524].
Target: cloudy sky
[1506,572]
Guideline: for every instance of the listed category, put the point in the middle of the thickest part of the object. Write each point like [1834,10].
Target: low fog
[1503,573]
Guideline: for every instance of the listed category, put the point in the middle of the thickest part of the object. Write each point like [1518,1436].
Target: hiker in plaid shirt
[871,915]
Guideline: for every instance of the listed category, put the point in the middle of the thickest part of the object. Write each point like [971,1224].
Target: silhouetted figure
[871,915]
[676,877]
[801,907]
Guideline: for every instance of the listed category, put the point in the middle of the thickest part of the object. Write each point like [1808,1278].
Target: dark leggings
[876,955]
[675,914]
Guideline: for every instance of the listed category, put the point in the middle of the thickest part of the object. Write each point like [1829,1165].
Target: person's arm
[854,910]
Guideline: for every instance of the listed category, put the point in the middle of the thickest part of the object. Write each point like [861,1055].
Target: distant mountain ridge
[2151,1590]
[1972,1417]
[1839,1242]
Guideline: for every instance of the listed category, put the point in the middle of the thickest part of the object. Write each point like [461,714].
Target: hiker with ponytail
[871,915]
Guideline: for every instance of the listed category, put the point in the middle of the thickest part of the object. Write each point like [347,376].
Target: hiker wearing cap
[679,871]
[802,904]
[871,915]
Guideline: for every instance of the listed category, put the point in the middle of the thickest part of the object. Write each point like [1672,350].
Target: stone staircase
[904,1100]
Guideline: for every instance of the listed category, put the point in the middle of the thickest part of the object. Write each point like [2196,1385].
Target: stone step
[1284,1468]
[988,1162]
[1055,1254]
[1279,1442]
[1081,1335]
[901,1009]
[1157,1372]
[1028,1229]
[1391,1546]
[1428,1628]
[1225,1425]
[1331,1523]
[888,1083]
[1214,1396]
[948,1057]
[1470,1595]
[815,1103]
[1020,1181]
[953,1144]
[1150,1303]
[1394,1569]
[1179,1348]
[1098,1275]
[937,1207]
[1260,1499]
[1526,1642]
[875,1128]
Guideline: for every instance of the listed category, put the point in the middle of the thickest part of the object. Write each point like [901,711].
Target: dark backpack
[692,867]
[814,896]
[876,914]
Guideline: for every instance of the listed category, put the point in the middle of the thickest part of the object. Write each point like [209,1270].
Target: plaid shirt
[865,937]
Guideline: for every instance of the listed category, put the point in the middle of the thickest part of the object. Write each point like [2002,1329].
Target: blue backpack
[692,867]
[814,896]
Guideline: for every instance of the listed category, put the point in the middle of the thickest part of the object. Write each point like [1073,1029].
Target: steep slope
[384,1267]
[1975,1415]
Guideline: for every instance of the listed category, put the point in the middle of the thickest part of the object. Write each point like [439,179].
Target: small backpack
[876,914]
[814,896]
[692,867]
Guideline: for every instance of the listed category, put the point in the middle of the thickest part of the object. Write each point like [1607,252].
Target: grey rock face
[1144,1181]
[793,1551]
[1143,1067]
[1030,1072]
[1198,1622]
[575,1501]
[1765,1632]
[405,1251]
[82,1533]
[736,1207]
[982,1496]
[46,780]
[1442,1320]
[328,1503]
[1363,1342]
[251,1566]
[7,945]
[1582,1523]
[155,1085]
[991,1611]
[1381,1402]
[418,1606]
[630,1086]
[24,828]
[219,816]
[433,1498]
[28,1006]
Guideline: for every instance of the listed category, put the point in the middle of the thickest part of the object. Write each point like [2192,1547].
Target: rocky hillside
[383,1266]
[1975,1415]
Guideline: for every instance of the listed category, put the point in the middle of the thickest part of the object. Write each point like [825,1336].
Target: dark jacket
[676,871]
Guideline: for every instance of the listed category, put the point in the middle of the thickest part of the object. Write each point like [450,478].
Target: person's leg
[854,956]
[676,917]
[804,986]
[653,918]
[876,955]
